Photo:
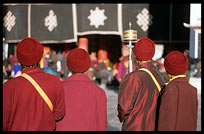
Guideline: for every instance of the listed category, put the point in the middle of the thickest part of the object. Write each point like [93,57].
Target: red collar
[32,70]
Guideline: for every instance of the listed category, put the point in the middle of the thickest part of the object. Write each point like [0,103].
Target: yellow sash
[154,79]
[177,76]
[39,89]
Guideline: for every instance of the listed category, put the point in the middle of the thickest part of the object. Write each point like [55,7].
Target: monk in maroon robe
[24,109]
[179,103]
[86,103]
[138,93]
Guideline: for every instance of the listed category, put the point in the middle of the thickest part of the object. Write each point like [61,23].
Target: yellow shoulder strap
[39,89]
[154,79]
[177,76]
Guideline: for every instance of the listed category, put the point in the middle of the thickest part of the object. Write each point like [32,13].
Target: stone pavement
[112,100]
[196,82]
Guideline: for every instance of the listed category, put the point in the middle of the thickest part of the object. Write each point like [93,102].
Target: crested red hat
[176,63]
[78,60]
[144,49]
[29,51]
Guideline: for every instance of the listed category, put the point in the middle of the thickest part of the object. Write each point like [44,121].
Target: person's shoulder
[101,92]
[190,86]
[13,81]
[172,87]
[97,88]
[134,74]
[10,81]
[50,76]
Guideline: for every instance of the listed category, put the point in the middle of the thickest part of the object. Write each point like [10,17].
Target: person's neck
[142,62]
[31,66]
[78,72]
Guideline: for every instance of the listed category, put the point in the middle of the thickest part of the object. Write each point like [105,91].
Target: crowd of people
[102,70]
[59,91]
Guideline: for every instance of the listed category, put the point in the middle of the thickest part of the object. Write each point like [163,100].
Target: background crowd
[102,70]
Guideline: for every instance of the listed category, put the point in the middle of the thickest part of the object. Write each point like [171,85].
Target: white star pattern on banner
[97,17]
[51,21]
[9,21]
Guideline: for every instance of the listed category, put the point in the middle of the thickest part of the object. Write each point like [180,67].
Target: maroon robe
[179,107]
[23,107]
[122,71]
[86,105]
[137,99]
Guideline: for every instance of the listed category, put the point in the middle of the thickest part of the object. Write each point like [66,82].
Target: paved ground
[112,100]
[196,82]
[112,97]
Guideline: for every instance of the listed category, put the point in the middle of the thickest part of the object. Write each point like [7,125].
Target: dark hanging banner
[15,22]
[60,23]
[163,23]
[99,19]
[139,16]
[53,23]
[180,14]
[159,30]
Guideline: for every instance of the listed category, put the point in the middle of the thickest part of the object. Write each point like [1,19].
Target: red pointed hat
[29,51]
[78,60]
[176,63]
[144,49]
